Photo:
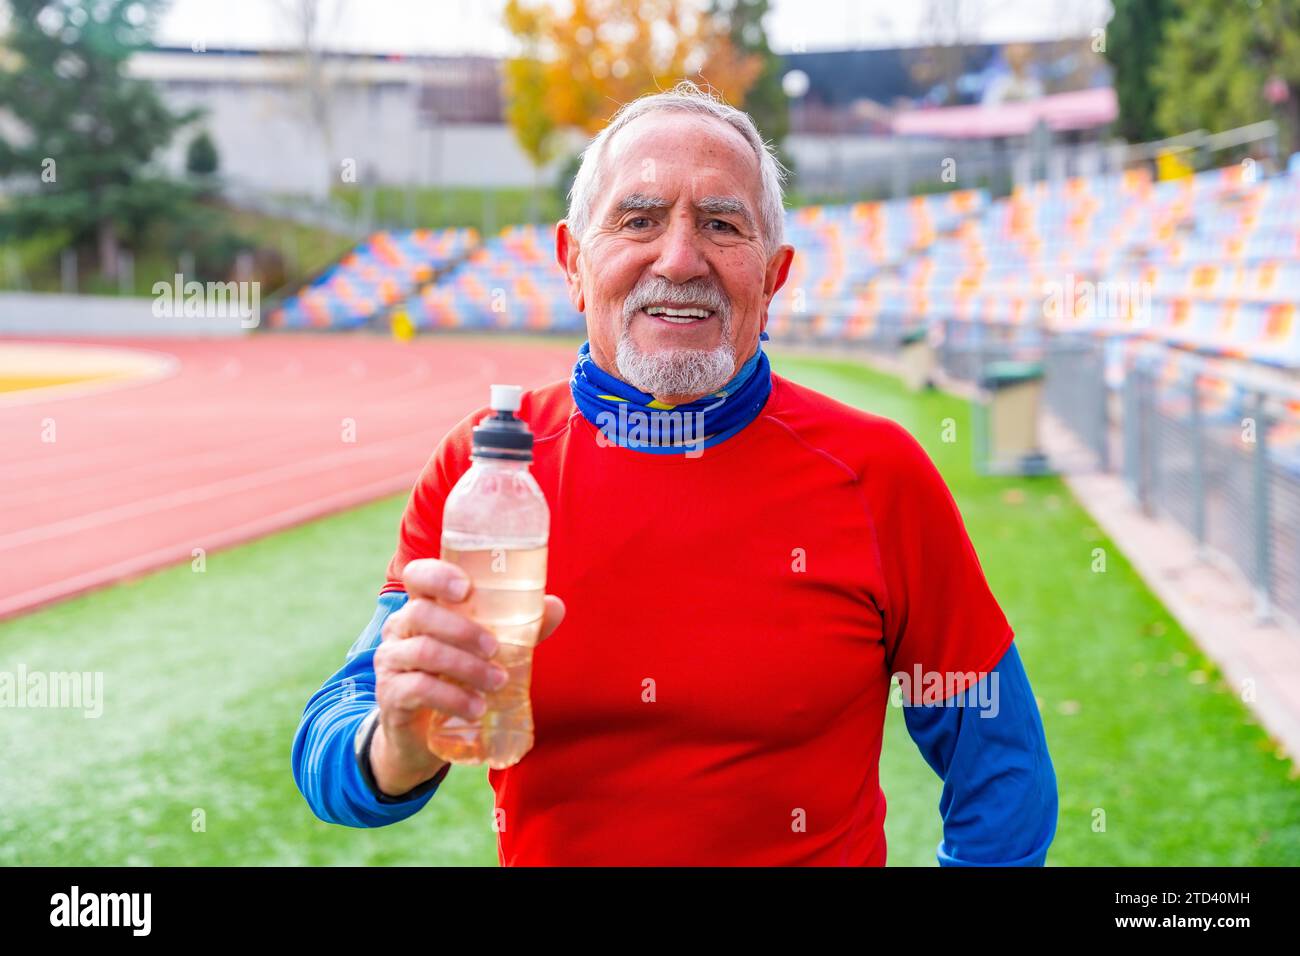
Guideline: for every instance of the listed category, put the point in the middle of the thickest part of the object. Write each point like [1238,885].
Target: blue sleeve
[999,800]
[325,765]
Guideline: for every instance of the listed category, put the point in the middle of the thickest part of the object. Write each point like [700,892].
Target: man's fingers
[433,580]
[416,690]
[551,616]
[440,659]
[422,616]
[439,580]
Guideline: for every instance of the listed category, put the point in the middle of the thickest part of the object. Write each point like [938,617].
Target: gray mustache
[705,294]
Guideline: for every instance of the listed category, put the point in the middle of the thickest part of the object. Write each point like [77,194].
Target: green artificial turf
[206,675]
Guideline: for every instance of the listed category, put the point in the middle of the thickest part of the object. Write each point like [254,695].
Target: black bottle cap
[501,434]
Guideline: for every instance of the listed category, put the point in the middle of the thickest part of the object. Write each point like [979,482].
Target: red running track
[247,437]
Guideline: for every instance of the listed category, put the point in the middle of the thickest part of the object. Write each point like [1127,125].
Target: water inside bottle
[507,598]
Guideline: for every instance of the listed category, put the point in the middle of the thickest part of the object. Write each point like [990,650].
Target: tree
[308,23]
[525,88]
[577,68]
[765,101]
[83,160]
[1218,60]
[201,155]
[1134,38]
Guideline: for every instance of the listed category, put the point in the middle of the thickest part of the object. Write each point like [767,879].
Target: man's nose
[680,256]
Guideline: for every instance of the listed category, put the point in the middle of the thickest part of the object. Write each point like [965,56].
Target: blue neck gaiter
[634,419]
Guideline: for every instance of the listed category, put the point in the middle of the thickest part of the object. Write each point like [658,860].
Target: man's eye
[646,220]
[726,226]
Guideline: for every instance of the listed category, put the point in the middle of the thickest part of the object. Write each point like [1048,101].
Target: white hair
[678,371]
[675,372]
[688,98]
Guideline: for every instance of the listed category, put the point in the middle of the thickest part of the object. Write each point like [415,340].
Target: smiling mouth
[678,315]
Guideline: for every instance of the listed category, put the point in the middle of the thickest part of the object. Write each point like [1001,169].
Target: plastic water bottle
[495,525]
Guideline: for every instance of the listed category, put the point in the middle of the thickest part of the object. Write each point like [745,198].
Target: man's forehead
[653,132]
[634,155]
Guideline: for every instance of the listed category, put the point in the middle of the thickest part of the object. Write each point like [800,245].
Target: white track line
[21,467]
[256,528]
[188,496]
[225,453]
[217,489]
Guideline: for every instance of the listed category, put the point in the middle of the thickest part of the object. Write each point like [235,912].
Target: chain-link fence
[1213,448]
[1220,457]
[838,325]
[967,348]
[1075,391]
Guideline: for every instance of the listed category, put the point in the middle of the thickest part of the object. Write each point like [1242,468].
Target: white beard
[675,371]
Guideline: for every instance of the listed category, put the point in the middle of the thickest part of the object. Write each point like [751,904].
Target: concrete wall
[25,313]
[265,139]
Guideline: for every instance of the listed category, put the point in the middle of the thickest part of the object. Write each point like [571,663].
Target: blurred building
[885,122]
[284,123]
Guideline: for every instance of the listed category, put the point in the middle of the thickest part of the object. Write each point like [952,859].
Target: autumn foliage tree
[575,69]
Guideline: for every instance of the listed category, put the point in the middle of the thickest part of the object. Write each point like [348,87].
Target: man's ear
[778,270]
[567,255]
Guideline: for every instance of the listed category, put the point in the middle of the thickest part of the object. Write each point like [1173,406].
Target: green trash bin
[1007,419]
[917,357]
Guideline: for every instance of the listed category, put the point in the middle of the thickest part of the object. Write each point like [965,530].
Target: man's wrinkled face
[672,272]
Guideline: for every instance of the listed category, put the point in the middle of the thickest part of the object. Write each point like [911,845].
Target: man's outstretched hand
[426,645]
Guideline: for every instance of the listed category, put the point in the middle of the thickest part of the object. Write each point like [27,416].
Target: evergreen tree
[83,163]
[201,156]
[765,101]
[1218,59]
[1134,38]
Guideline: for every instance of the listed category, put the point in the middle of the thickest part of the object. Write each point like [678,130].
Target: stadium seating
[1208,263]
[510,282]
[375,275]
[837,285]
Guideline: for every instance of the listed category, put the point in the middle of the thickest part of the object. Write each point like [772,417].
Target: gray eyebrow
[713,205]
[640,201]
[726,206]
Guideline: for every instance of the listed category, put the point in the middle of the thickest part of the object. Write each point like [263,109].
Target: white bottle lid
[506,398]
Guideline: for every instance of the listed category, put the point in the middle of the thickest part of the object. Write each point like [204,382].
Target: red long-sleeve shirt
[717,690]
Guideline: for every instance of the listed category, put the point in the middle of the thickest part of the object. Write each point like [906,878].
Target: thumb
[551,616]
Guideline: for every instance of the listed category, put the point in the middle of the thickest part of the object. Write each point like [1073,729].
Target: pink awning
[1083,109]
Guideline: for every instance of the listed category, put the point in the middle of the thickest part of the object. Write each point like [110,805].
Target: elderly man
[736,586]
